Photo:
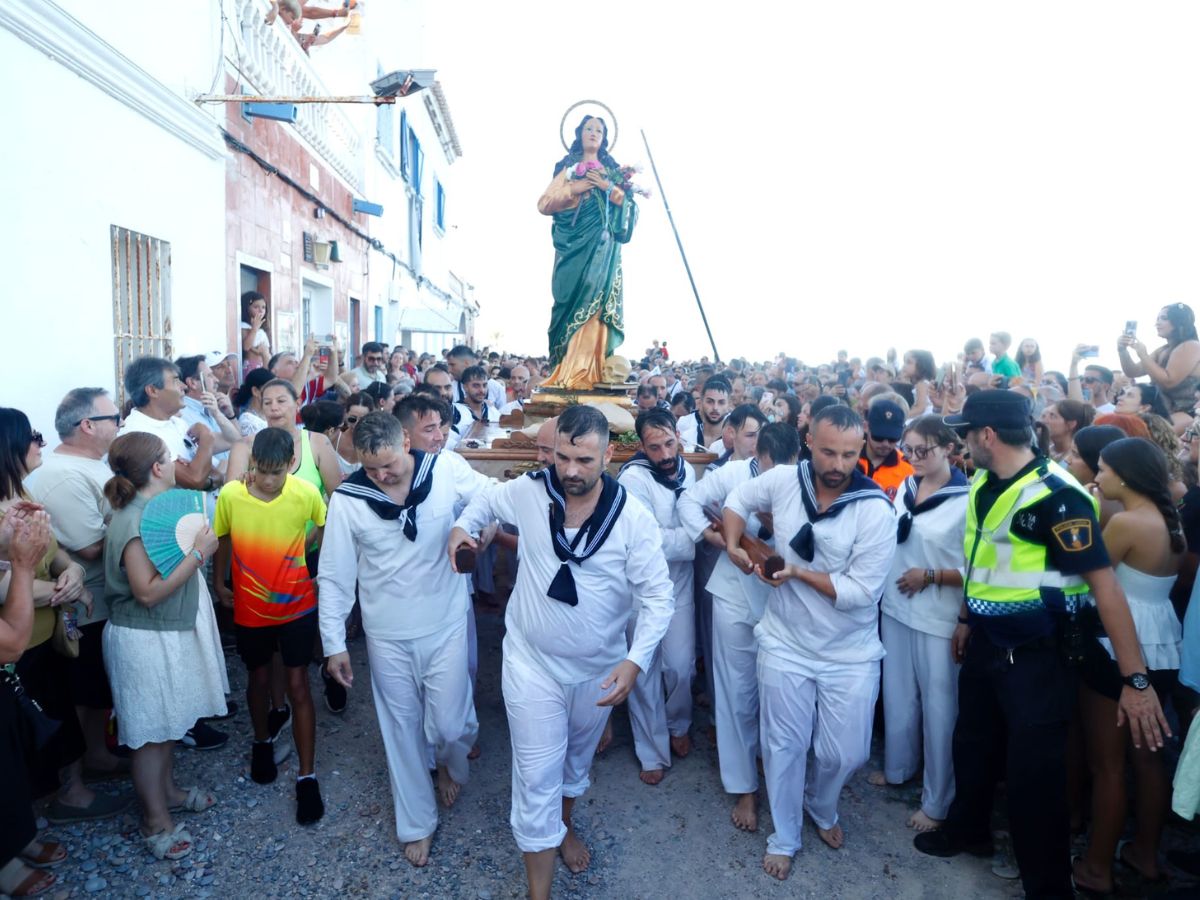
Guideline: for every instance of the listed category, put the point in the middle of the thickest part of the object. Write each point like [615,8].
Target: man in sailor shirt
[704,428]
[818,641]
[738,601]
[657,475]
[473,407]
[386,530]
[588,550]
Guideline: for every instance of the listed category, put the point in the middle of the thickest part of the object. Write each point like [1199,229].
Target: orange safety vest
[889,476]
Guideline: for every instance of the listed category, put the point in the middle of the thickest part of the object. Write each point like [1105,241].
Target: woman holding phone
[1174,367]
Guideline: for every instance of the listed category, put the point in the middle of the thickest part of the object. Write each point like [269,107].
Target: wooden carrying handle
[464,560]
[761,553]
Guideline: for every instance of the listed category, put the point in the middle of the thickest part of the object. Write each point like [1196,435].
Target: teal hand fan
[169,527]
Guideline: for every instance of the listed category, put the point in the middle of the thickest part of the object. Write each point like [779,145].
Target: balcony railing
[271,63]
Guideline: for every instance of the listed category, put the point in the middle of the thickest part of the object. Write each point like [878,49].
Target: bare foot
[777,866]
[681,746]
[447,787]
[652,776]
[832,836]
[475,752]
[877,778]
[922,822]
[1087,879]
[417,852]
[745,812]
[605,738]
[574,852]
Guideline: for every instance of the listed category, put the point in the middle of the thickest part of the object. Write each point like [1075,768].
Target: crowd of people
[1001,548]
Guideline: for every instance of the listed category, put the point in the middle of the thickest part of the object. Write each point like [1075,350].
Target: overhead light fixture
[403,82]
[321,253]
[365,206]
[319,212]
[278,112]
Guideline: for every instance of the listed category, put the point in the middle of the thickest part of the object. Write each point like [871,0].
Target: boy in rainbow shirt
[261,526]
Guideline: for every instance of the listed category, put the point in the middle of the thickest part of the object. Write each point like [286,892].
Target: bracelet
[928,577]
[199,556]
[963,620]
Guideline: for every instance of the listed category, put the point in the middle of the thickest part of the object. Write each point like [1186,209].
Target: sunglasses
[917,453]
[114,418]
[1089,379]
[36,438]
[351,420]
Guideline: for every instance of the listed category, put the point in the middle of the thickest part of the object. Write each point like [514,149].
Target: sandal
[49,854]
[197,801]
[35,882]
[169,844]
[103,806]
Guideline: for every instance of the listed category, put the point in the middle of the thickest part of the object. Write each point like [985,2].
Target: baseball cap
[991,409]
[216,357]
[885,420]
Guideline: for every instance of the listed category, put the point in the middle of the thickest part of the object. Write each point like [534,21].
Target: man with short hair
[1094,388]
[1002,364]
[373,366]
[647,398]
[70,485]
[566,659]
[153,386]
[657,475]
[385,533]
[659,383]
[1034,559]
[474,405]
[421,417]
[702,430]
[202,406]
[974,356]
[518,390]
[224,370]
[737,603]
[881,459]
[818,641]
[458,360]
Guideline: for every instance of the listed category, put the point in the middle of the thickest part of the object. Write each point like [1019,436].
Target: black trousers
[1013,713]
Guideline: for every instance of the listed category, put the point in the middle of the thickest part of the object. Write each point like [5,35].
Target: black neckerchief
[360,487]
[596,529]
[721,460]
[956,486]
[483,416]
[459,393]
[860,488]
[670,482]
[457,417]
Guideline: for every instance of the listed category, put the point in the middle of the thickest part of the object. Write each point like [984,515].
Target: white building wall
[100,137]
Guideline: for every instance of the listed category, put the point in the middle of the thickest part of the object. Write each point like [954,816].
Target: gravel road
[647,842]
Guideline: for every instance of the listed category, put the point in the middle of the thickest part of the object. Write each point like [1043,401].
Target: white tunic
[691,433]
[407,589]
[802,625]
[574,644]
[745,592]
[935,542]
[679,548]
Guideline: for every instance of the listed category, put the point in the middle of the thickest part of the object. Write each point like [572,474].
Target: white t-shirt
[260,339]
[173,432]
[72,490]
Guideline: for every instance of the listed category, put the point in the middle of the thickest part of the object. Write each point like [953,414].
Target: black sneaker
[945,844]
[335,694]
[309,805]
[276,720]
[262,762]
[204,737]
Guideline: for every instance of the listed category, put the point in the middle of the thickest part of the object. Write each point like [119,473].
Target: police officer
[1033,555]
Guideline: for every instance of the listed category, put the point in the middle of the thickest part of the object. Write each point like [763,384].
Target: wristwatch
[1138,681]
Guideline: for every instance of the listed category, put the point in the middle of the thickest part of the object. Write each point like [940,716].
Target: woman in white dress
[921,601]
[1146,545]
[161,647]
[256,340]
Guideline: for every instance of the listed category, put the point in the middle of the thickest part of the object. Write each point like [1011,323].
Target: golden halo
[610,121]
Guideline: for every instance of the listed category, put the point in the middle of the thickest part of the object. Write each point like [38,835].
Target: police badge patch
[1074,535]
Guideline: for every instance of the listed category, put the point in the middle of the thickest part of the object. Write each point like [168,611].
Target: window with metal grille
[141,282]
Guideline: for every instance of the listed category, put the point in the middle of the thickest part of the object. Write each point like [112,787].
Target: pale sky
[856,176]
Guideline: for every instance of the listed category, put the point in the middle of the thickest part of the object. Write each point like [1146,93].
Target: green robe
[587,269]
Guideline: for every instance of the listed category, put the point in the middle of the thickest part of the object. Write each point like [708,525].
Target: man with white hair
[518,386]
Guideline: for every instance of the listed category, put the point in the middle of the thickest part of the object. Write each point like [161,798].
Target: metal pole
[671,219]
[249,98]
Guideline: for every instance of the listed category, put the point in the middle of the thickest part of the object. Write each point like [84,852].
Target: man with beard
[737,603]
[566,661]
[474,405]
[440,380]
[386,532]
[703,428]
[818,641]
[657,475]
[881,461]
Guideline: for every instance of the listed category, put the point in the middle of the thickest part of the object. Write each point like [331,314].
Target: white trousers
[648,711]
[554,729]
[828,706]
[920,705]
[679,664]
[735,683]
[423,698]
